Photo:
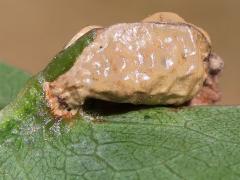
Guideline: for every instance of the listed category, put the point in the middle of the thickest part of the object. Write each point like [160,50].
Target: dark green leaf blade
[157,143]
[66,58]
[153,143]
[11,81]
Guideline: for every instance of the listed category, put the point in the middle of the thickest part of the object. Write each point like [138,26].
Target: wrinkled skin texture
[209,93]
[162,60]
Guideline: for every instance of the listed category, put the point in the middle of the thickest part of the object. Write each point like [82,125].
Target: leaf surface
[11,81]
[156,143]
[137,143]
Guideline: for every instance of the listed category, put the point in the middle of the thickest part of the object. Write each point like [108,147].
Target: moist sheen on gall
[138,63]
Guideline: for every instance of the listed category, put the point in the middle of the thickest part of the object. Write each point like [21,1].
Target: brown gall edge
[210,92]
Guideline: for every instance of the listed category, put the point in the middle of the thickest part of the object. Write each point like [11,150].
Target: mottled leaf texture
[156,143]
[147,143]
[11,81]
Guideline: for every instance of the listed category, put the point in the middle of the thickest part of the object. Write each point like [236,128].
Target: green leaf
[134,143]
[11,81]
[65,59]
[154,143]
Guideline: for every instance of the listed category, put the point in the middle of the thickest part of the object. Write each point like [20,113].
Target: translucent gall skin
[138,63]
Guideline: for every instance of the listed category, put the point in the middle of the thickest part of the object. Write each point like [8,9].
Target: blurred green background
[33,31]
